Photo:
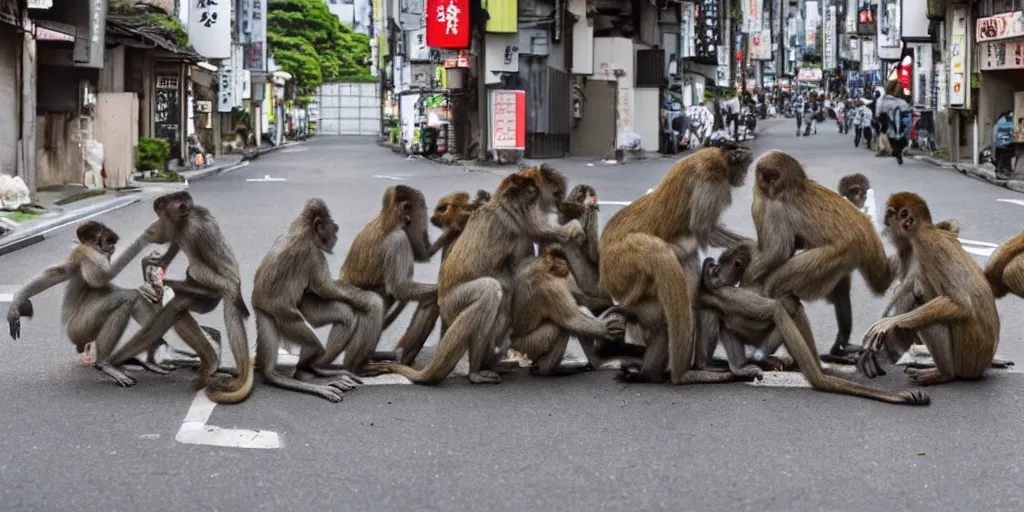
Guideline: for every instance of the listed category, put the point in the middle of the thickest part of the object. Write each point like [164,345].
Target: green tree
[311,44]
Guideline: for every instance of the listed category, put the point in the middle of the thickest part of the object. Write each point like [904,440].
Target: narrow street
[585,442]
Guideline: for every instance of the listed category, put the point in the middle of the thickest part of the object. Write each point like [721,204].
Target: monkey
[854,188]
[212,275]
[293,286]
[475,281]
[93,309]
[1005,269]
[451,214]
[649,262]
[545,314]
[382,257]
[953,310]
[581,204]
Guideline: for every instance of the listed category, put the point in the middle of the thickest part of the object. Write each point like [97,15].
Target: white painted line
[6,297]
[1014,201]
[386,177]
[979,251]
[619,203]
[294,150]
[265,178]
[194,430]
[975,242]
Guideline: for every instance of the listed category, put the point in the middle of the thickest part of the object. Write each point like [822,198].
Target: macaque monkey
[545,315]
[93,308]
[581,204]
[953,310]
[451,214]
[649,261]
[212,276]
[382,257]
[293,286]
[475,282]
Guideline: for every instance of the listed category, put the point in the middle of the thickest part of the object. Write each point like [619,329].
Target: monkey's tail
[671,283]
[233,391]
[439,367]
[875,267]
[996,266]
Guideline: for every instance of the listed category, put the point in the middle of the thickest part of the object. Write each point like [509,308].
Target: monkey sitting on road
[451,214]
[293,286]
[952,310]
[649,262]
[475,281]
[212,276]
[545,315]
[581,204]
[93,309]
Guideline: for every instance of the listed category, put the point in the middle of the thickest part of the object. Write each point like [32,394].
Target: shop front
[1001,60]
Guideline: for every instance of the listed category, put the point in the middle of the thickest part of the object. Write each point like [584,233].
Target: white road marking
[617,203]
[975,242]
[1014,201]
[294,150]
[386,177]
[265,178]
[6,297]
[194,430]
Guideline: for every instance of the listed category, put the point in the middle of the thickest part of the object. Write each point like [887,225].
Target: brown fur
[1005,268]
[475,281]
[293,286]
[546,315]
[954,312]
[855,188]
[648,255]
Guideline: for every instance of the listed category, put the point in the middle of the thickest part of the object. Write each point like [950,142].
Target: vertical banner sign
[226,87]
[828,45]
[958,59]
[866,22]
[850,22]
[448,24]
[752,16]
[209,28]
[810,26]
[252,34]
[89,50]
[868,56]
[507,120]
[890,44]
[237,77]
[708,30]
[722,71]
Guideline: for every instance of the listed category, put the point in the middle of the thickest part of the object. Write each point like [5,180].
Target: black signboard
[708,30]
[867,13]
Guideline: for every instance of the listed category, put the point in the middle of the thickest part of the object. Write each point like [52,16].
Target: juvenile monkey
[475,281]
[93,309]
[293,286]
[382,257]
[451,214]
[212,275]
[581,204]
[751,319]
[546,314]
[649,262]
[954,310]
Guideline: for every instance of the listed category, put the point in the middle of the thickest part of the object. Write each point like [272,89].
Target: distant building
[352,13]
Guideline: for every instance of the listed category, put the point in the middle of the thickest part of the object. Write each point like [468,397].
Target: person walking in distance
[898,117]
[1002,144]
[862,119]
[798,110]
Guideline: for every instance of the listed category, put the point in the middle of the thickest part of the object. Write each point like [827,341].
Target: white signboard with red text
[507,120]
[1001,26]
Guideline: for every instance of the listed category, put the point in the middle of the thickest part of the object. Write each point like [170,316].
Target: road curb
[209,173]
[37,232]
[976,172]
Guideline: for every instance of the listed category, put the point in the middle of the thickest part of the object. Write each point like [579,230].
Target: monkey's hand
[152,292]
[615,328]
[14,321]
[574,230]
[874,341]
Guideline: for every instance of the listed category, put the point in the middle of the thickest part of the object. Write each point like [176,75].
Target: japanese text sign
[508,120]
[447,24]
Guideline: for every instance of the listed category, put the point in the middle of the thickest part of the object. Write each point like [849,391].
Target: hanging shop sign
[1001,26]
[448,24]
[958,66]
[1002,55]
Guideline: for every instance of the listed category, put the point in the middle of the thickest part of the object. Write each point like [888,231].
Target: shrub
[152,154]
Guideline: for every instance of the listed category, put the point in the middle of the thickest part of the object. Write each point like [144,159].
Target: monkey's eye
[903,214]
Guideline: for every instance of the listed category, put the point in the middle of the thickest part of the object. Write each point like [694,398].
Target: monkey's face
[739,160]
[583,194]
[857,196]
[105,242]
[449,210]
[326,232]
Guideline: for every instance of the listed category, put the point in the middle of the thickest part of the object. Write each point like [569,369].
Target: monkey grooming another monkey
[293,286]
[212,275]
[649,261]
[382,258]
[93,309]
[581,204]
[475,281]
[953,311]
[545,314]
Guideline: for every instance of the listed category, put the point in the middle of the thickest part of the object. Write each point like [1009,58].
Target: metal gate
[9,99]
[349,108]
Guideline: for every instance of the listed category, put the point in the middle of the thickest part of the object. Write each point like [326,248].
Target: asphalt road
[71,440]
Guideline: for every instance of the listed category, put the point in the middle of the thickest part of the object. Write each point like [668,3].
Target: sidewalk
[983,172]
[61,206]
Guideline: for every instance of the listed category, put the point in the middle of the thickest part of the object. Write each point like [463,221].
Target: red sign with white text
[447,24]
